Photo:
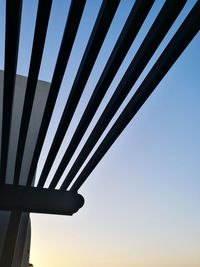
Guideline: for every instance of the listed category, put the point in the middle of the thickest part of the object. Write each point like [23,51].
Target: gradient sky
[142,201]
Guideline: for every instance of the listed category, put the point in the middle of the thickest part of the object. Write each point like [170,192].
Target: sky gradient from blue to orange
[142,201]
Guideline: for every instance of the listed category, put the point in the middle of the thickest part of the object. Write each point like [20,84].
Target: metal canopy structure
[26,196]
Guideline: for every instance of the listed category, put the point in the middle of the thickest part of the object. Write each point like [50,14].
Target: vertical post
[21,255]
[11,239]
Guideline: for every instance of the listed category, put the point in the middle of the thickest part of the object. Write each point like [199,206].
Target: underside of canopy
[27,104]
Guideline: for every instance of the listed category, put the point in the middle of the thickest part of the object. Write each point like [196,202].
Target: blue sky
[142,201]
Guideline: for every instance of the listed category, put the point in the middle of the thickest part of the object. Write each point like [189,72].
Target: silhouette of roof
[65,199]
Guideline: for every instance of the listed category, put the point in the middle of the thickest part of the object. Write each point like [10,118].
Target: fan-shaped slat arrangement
[157,31]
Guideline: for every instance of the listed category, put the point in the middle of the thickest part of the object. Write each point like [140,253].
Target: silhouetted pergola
[18,193]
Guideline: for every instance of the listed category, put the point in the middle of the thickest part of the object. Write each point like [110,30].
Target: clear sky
[142,201]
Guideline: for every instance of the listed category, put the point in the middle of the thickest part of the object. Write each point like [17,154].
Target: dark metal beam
[71,27]
[102,24]
[133,24]
[13,21]
[157,32]
[176,46]
[39,200]
[43,13]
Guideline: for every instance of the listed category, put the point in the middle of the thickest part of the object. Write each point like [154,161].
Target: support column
[17,243]
[10,242]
